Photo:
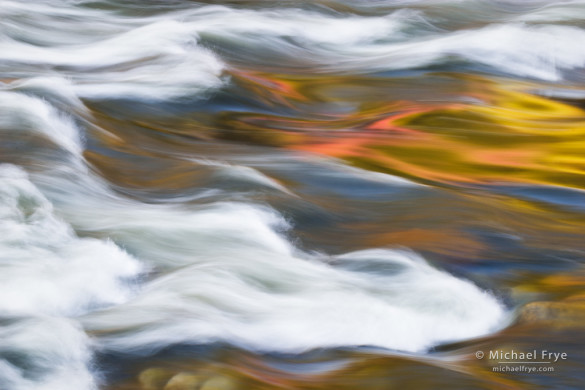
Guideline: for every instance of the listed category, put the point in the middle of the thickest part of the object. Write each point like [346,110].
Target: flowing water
[322,194]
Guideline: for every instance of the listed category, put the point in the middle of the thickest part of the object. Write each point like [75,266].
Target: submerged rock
[564,314]
[154,378]
[185,381]
[220,383]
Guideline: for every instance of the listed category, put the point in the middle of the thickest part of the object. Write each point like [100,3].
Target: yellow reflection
[497,132]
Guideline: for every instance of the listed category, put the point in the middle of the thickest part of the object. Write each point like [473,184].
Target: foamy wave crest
[274,301]
[44,353]
[47,272]
[46,268]
[167,55]
[401,40]
[142,59]
[23,113]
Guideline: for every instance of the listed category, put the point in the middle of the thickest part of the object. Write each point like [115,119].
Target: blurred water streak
[294,194]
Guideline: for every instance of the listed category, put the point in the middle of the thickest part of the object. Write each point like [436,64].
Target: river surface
[328,194]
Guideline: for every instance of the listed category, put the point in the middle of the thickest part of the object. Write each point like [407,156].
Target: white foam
[52,88]
[358,44]
[540,52]
[170,64]
[267,301]
[45,267]
[54,355]
[22,113]
[156,61]
[159,58]
[304,27]
[47,272]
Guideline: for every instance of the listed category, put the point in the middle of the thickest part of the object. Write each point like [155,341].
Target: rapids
[278,178]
